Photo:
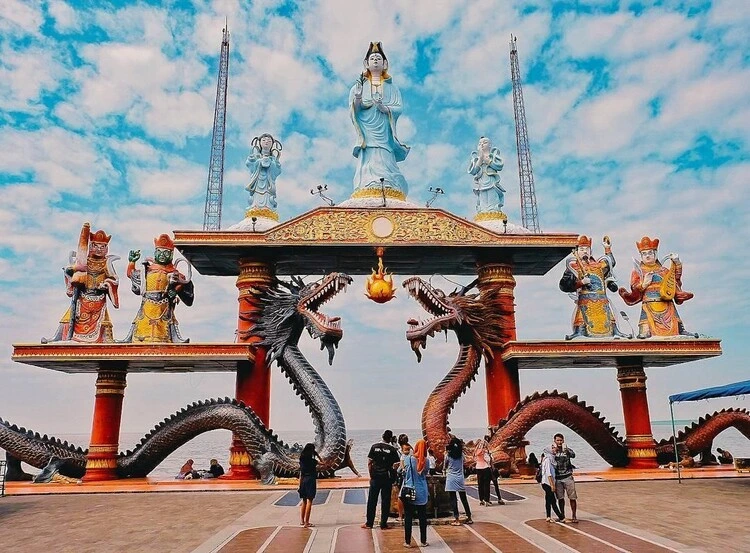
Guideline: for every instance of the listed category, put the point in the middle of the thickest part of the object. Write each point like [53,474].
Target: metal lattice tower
[212,213]
[529,215]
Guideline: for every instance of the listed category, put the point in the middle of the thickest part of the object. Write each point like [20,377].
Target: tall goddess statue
[485,166]
[264,166]
[375,106]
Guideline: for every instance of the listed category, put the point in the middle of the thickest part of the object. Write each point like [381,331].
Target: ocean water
[215,444]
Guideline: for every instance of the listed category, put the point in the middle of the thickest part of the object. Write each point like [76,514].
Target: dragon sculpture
[476,323]
[287,310]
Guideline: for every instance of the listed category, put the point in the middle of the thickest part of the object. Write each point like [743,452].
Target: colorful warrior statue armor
[485,167]
[658,288]
[264,166]
[587,280]
[89,280]
[163,288]
[375,106]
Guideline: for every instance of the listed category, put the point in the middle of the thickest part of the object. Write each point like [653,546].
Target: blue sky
[638,120]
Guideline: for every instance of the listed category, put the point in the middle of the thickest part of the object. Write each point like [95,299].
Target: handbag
[407,492]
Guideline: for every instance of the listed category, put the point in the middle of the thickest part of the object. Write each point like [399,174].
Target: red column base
[239,464]
[642,454]
[100,469]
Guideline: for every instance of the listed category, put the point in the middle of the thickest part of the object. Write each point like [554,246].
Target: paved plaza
[646,516]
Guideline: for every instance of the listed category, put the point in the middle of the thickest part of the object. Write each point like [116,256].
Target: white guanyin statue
[375,105]
[485,167]
[264,166]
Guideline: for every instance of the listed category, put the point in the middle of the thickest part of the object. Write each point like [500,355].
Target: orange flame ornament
[380,284]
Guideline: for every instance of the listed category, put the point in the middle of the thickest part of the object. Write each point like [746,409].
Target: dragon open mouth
[320,325]
[432,300]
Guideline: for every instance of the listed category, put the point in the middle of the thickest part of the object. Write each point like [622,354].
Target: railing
[3,471]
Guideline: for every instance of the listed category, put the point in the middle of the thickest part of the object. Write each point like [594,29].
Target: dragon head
[290,307]
[473,317]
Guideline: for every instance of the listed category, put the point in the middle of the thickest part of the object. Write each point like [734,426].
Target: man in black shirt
[381,462]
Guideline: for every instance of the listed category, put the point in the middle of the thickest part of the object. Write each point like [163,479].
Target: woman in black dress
[308,472]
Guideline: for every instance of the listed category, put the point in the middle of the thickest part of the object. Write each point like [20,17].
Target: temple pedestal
[638,433]
[503,389]
[101,462]
[253,385]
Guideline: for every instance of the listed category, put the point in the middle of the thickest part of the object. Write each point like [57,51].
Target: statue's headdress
[375,48]
[100,236]
[164,242]
[647,243]
[583,241]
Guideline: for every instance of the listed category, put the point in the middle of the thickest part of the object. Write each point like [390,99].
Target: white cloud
[24,75]
[18,17]
[66,18]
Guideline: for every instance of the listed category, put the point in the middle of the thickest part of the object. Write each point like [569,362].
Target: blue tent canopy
[736,389]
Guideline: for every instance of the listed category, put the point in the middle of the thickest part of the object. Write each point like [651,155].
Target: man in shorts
[564,483]
[380,464]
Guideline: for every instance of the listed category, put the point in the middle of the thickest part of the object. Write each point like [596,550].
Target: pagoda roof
[416,241]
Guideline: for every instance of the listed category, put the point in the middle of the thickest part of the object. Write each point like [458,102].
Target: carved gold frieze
[256,273]
[498,274]
[381,226]
[101,463]
[642,452]
[239,458]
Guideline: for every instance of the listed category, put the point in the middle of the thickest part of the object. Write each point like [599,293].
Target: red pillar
[638,435]
[253,384]
[503,390]
[101,461]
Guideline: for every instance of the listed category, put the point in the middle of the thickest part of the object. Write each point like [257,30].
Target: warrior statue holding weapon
[161,287]
[90,279]
[586,280]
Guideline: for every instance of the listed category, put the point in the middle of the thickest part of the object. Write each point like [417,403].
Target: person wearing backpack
[545,475]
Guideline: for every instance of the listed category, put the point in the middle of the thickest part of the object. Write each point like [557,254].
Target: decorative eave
[416,241]
[72,357]
[592,354]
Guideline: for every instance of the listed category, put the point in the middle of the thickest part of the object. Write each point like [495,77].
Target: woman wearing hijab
[482,464]
[548,485]
[415,469]
[308,473]
[454,478]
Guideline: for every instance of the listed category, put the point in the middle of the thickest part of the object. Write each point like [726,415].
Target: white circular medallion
[382,227]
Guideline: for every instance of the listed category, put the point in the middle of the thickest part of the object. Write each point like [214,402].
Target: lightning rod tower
[529,215]
[212,213]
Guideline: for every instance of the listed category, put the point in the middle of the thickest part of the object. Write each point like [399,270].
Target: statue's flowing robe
[487,188]
[155,321]
[378,149]
[91,319]
[262,186]
[593,312]
[658,313]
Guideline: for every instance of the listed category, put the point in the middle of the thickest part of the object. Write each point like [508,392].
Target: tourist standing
[482,465]
[564,483]
[380,463]
[453,466]
[308,474]
[415,471]
[548,485]
[404,450]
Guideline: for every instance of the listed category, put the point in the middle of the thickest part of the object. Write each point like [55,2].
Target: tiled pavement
[698,515]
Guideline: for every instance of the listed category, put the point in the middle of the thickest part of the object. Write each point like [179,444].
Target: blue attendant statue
[264,166]
[485,166]
[375,106]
